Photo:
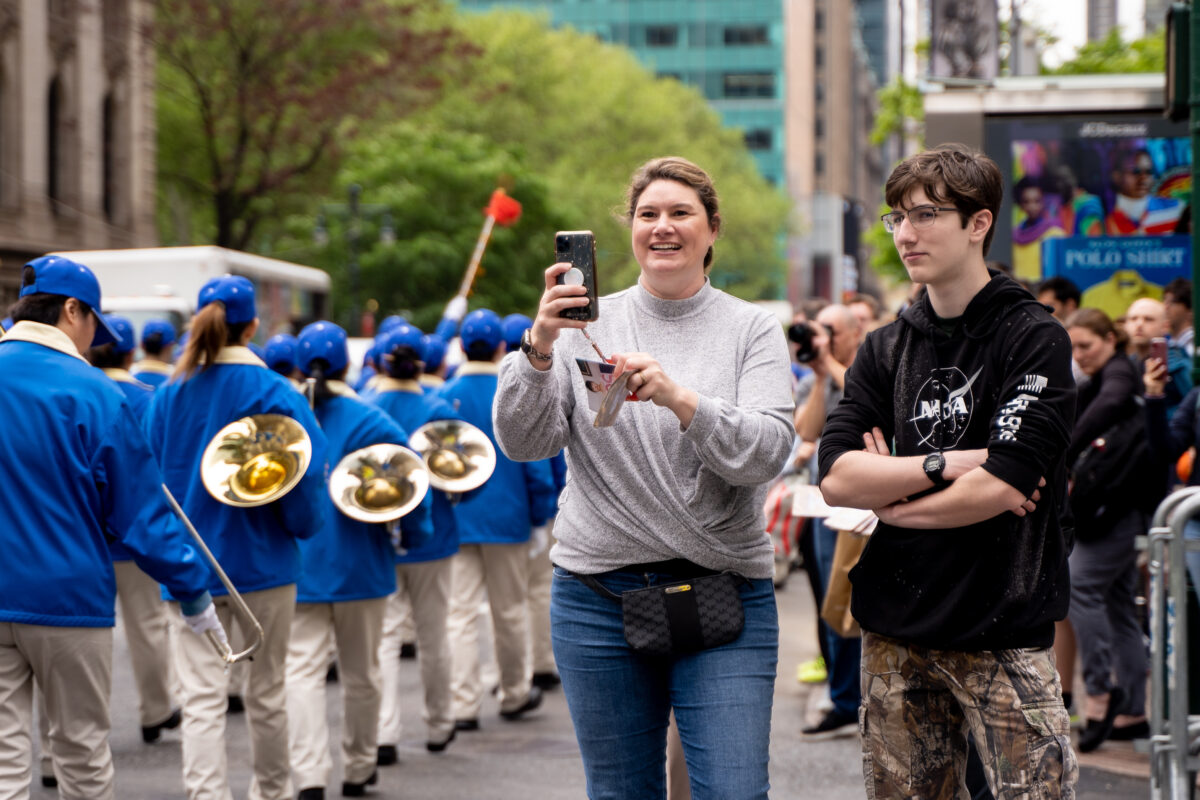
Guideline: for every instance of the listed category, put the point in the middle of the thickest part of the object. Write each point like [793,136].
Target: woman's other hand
[650,382]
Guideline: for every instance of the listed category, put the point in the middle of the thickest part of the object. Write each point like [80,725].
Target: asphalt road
[534,757]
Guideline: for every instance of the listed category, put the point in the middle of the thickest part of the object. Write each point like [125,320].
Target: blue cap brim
[104,333]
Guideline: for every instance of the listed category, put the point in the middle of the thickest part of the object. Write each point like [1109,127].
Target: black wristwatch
[935,464]
[528,349]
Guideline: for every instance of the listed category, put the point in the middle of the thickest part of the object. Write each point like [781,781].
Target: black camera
[802,334]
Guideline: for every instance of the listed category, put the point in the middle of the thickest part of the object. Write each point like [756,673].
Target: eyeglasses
[919,217]
[1141,171]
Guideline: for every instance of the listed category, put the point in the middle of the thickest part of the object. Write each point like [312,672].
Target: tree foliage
[256,97]
[901,112]
[1113,54]
[582,115]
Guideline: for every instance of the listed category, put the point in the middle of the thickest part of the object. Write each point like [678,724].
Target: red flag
[503,208]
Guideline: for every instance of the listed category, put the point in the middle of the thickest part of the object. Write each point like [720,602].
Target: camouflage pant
[919,705]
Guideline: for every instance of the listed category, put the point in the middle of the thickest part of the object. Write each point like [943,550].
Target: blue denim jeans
[620,701]
[845,653]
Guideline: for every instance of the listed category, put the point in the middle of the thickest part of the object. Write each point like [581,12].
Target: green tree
[1113,54]
[255,98]
[582,115]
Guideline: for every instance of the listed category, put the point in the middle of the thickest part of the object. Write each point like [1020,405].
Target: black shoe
[546,680]
[1098,730]
[1068,700]
[833,725]
[312,793]
[236,706]
[49,782]
[359,789]
[1127,733]
[408,650]
[150,733]
[531,702]
[386,755]
[331,674]
[466,724]
[437,747]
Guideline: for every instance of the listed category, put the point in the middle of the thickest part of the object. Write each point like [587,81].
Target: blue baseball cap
[326,341]
[483,325]
[124,330]
[403,335]
[235,293]
[391,322]
[433,351]
[164,329]
[281,351]
[515,326]
[62,276]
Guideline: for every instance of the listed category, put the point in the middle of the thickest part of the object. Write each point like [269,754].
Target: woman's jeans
[620,701]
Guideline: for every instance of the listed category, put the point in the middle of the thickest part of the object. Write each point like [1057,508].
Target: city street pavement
[537,756]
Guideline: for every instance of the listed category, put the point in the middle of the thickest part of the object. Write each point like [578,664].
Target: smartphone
[1158,349]
[578,248]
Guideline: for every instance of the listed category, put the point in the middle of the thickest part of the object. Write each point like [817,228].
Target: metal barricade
[1172,734]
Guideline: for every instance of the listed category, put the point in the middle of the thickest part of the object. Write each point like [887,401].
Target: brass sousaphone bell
[460,457]
[379,483]
[255,460]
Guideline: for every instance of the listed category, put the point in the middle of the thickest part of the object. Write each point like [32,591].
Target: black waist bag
[681,617]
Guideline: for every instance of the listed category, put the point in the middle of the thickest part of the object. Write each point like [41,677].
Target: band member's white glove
[207,620]
[539,541]
[456,308]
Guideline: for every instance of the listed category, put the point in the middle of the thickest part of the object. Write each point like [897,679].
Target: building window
[819,20]
[819,164]
[758,139]
[819,93]
[109,155]
[749,84]
[819,128]
[741,35]
[662,36]
[54,143]
[819,56]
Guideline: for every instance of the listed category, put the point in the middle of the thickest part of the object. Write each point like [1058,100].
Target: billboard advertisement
[1102,199]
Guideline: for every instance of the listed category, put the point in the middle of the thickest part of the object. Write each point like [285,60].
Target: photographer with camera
[828,346]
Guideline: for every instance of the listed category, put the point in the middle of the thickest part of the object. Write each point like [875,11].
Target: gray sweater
[645,489]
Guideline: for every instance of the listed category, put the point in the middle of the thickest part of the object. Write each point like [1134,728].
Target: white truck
[163,282]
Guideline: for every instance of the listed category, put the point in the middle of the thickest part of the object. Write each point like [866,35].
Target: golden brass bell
[255,460]
[460,457]
[379,483]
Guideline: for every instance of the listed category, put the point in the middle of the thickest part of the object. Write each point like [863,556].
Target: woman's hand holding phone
[547,325]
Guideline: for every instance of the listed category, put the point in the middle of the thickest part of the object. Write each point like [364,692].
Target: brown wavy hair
[1096,321]
[208,333]
[680,170]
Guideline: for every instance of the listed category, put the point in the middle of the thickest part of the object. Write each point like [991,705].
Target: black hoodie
[1001,381]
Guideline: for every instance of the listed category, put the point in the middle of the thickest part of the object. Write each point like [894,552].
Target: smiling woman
[671,492]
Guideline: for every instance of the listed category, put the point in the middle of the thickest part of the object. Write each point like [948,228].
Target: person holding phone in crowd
[672,491]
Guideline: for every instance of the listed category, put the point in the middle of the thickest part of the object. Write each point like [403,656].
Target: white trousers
[355,628]
[423,595]
[503,569]
[205,684]
[73,668]
[144,616]
[541,575]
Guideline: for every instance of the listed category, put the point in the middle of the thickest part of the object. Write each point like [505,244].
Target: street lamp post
[353,211]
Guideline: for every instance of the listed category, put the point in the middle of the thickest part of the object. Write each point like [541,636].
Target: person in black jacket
[958,589]
[1104,562]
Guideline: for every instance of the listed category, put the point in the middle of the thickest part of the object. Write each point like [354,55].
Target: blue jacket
[138,395]
[152,373]
[256,546]
[406,403]
[519,495]
[75,464]
[348,559]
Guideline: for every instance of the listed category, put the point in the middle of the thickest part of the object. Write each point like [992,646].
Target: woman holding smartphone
[672,491]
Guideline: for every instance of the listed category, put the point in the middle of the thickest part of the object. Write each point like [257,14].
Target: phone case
[578,248]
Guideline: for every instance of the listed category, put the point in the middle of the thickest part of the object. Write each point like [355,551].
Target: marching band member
[142,606]
[343,589]
[282,352]
[95,478]
[217,381]
[423,573]
[158,344]
[494,524]
[433,354]
[541,571]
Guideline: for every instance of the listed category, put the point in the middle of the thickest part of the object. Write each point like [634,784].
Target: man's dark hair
[152,345]
[479,350]
[1180,290]
[105,356]
[1064,289]
[41,307]
[950,174]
